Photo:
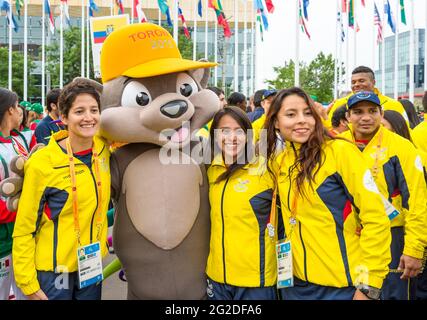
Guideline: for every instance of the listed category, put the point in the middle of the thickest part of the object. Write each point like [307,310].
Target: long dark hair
[7,99]
[309,159]
[398,123]
[411,112]
[244,122]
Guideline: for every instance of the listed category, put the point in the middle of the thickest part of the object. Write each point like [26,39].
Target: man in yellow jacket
[363,79]
[398,172]
[419,134]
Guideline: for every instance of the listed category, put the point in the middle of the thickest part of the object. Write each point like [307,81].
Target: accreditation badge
[285,278]
[390,210]
[90,264]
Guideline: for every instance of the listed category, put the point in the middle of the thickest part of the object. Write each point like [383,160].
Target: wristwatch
[371,292]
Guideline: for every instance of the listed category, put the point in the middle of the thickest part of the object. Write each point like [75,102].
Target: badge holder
[89,264]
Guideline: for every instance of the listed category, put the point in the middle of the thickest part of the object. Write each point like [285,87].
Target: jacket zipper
[223,239]
[96,207]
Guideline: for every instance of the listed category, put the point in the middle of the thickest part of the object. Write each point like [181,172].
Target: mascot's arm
[112,268]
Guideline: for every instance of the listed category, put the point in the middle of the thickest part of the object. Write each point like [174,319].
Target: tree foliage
[316,78]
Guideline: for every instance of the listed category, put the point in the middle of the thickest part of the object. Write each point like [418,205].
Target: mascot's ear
[98,87]
[201,75]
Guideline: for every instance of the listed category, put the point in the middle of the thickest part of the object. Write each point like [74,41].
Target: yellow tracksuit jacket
[326,249]
[400,179]
[241,252]
[387,103]
[44,238]
[419,136]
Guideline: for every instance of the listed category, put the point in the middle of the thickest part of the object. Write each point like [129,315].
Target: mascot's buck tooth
[161,230]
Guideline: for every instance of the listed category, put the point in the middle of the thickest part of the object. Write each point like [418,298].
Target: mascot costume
[153,102]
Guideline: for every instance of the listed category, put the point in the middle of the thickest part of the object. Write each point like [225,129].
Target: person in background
[237,99]
[51,123]
[35,114]
[398,172]
[419,133]
[241,263]
[409,107]
[320,179]
[221,95]
[339,121]
[258,124]
[23,113]
[251,106]
[258,110]
[363,79]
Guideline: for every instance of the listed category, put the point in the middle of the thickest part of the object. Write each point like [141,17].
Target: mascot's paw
[10,188]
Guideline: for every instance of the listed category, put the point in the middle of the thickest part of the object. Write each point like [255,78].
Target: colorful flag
[164,8]
[378,23]
[200,8]
[344,6]
[351,14]
[67,15]
[339,18]
[261,31]
[217,6]
[19,4]
[363,3]
[50,16]
[402,11]
[184,25]
[305,5]
[5,5]
[302,21]
[119,3]
[390,19]
[92,7]
[138,12]
[259,6]
[270,6]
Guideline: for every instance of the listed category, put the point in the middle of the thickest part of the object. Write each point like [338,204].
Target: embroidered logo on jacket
[241,185]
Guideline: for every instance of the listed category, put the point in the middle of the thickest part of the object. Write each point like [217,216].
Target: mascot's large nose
[174,109]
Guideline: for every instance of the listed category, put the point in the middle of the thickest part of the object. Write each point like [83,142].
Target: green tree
[317,78]
[185,45]
[71,60]
[17,73]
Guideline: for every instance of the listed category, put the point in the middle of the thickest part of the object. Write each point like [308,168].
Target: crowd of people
[334,206]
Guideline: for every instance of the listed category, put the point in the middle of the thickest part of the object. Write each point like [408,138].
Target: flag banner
[138,12]
[378,23]
[270,6]
[19,4]
[6,6]
[164,8]
[119,4]
[302,21]
[92,7]
[363,3]
[351,14]
[50,16]
[259,6]
[200,9]
[344,6]
[261,31]
[219,12]
[402,12]
[390,19]
[305,4]
[184,25]
[66,13]
[100,28]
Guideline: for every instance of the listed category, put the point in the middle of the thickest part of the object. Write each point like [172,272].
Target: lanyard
[98,187]
[376,166]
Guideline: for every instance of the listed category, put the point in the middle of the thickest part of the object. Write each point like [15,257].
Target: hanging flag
[302,21]
[119,3]
[259,6]
[219,12]
[344,6]
[200,8]
[184,25]
[377,22]
[164,8]
[19,4]
[341,26]
[390,19]
[402,11]
[305,4]
[50,16]
[5,5]
[351,14]
[270,6]
[261,31]
[138,12]
[363,3]
[67,15]
[92,7]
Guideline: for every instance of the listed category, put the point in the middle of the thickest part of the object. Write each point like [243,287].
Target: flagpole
[111,7]
[341,30]
[297,25]
[383,52]
[236,46]
[195,32]
[25,49]
[347,58]
[425,50]
[396,51]
[206,29]
[252,83]
[411,54]
[10,49]
[245,49]
[337,37]
[160,17]
[132,8]
[374,50]
[355,35]
[175,22]
[61,47]
[87,41]
[43,49]
[216,54]
[82,51]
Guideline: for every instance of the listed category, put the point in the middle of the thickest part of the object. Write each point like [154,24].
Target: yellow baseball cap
[143,50]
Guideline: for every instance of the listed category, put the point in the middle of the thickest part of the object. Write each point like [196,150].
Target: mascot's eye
[135,94]
[185,85]
[142,99]
[186,90]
